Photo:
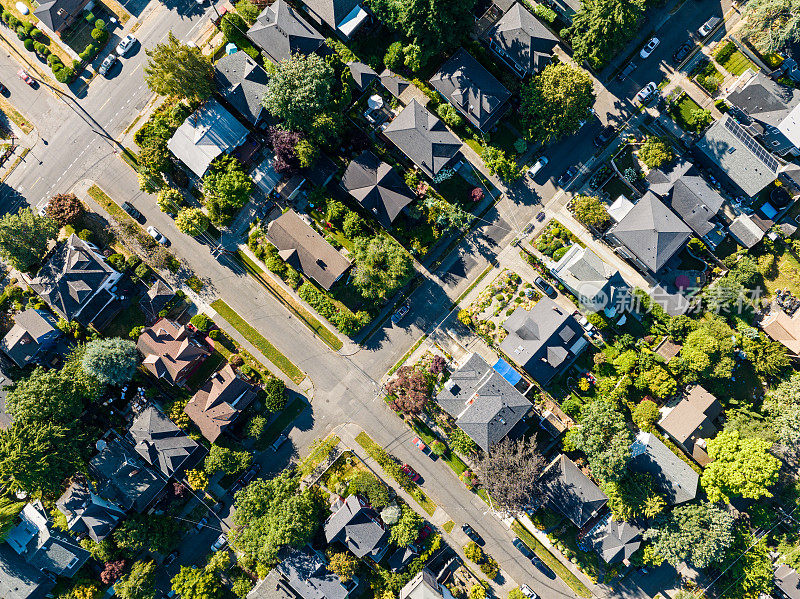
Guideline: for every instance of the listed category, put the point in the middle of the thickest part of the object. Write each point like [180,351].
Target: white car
[645,93]
[706,28]
[540,164]
[125,45]
[528,592]
[156,234]
[221,541]
[648,49]
[106,65]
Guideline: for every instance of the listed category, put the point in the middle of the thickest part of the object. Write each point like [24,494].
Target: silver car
[125,45]
[109,62]
[156,234]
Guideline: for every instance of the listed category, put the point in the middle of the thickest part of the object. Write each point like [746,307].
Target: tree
[154,532]
[343,563]
[510,471]
[169,200]
[112,361]
[698,533]
[699,118]
[381,266]
[590,211]
[64,208]
[112,571]
[197,583]
[411,390]
[556,101]
[228,461]
[139,583]
[24,238]
[634,497]
[772,24]
[393,59]
[226,187]
[391,514]
[783,406]
[742,467]
[601,27]
[708,350]
[284,145]
[474,553]
[768,357]
[197,478]
[192,221]
[406,531]
[499,164]
[176,69]
[645,415]
[274,394]
[655,151]
[605,439]
[450,116]
[748,572]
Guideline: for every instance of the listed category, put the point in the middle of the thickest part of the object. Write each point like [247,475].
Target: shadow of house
[521,41]
[280,32]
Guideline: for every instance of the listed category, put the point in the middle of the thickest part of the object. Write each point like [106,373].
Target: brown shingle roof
[692,416]
[218,403]
[169,350]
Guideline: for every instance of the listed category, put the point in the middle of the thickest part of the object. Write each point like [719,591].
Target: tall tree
[510,472]
[590,211]
[605,439]
[51,396]
[139,583]
[344,564]
[742,467]
[382,266]
[112,361]
[768,357]
[411,390]
[197,583]
[154,532]
[406,531]
[64,208]
[748,571]
[655,151]
[634,497]
[783,406]
[24,238]
[772,24]
[228,461]
[601,27]
[708,350]
[226,187]
[175,69]
[192,221]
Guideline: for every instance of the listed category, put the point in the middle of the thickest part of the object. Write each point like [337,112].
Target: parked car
[546,287]
[706,27]
[646,92]
[682,52]
[528,592]
[540,216]
[567,176]
[410,472]
[107,63]
[605,135]
[420,445]
[400,313]
[23,74]
[542,567]
[125,45]
[170,558]
[279,441]
[540,164]
[156,234]
[473,534]
[3,89]
[423,534]
[523,548]
[648,49]
[250,474]
[200,525]
[133,212]
[629,68]
[221,541]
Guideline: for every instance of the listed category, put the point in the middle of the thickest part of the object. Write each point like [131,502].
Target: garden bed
[732,60]
[554,240]
[708,77]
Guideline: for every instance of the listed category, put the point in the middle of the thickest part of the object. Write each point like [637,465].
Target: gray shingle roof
[377,187]
[161,443]
[362,74]
[423,586]
[523,39]
[614,541]
[652,232]
[485,405]
[280,31]
[571,492]
[87,513]
[674,477]
[473,90]
[597,284]
[55,14]
[32,328]
[787,581]
[125,478]
[423,138]
[331,12]
[20,580]
[242,82]
[156,299]
[746,231]
[305,571]
[395,84]
[357,527]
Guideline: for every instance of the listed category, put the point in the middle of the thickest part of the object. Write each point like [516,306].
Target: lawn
[259,341]
[11,6]
[284,419]
[682,112]
[448,526]
[456,464]
[615,188]
[456,190]
[209,366]
[737,63]
[124,322]
[79,34]
[15,116]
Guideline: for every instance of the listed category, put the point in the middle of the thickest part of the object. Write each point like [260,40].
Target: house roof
[358,527]
[332,12]
[242,82]
[423,586]
[362,74]
[485,405]
[305,571]
[571,492]
[401,558]
[614,541]
[156,299]
[524,39]
[306,250]
[56,13]
[70,279]
[218,403]
[88,513]
[205,134]
[473,90]
[674,477]
[783,328]
[20,580]
[125,478]
[682,188]
[281,31]
[272,586]
[692,416]
[543,339]
[24,339]
[596,283]
[746,231]
[395,84]
[423,138]
[377,187]
[169,350]
[161,443]
[652,232]
[787,581]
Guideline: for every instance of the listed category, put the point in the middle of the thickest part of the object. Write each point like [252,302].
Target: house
[87,513]
[425,586]
[401,558]
[597,285]
[170,351]
[649,234]
[543,340]
[566,8]
[363,75]
[20,580]
[280,31]
[358,527]
[161,444]
[242,83]
[205,134]
[484,404]
[781,327]
[58,15]
[306,250]
[423,138]
[614,541]
[78,284]
[522,41]
[34,332]
[377,187]
[157,298]
[787,582]
[473,90]
[43,546]
[691,422]
[124,477]
[681,187]
[219,402]
[674,478]
[345,17]
[570,492]
[738,160]
[394,84]
[769,109]
[746,230]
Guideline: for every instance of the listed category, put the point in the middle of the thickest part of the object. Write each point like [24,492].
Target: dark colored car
[473,534]
[3,89]
[546,287]
[605,136]
[523,548]
[423,534]
[170,558]
[681,53]
[400,313]
[567,176]
[629,68]
[543,568]
[133,212]
[250,474]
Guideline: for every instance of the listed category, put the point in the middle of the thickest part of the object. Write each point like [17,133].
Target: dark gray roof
[570,491]
[674,477]
[485,405]
[156,299]
[362,74]
[242,82]
[272,586]
[124,477]
[523,39]
[473,90]
[358,527]
[597,284]
[161,443]
[542,339]
[55,14]
[87,513]
[395,84]
[614,541]
[280,31]
[652,232]
[29,333]
[401,558]
[331,12]
[305,249]
[377,187]
[20,580]
[787,581]
[423,138]
[306,573]
[746,231]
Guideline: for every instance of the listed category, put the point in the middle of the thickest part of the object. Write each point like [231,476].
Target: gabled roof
[156,299]
[358,527]
[88,513]
[473,90]
[169,350]
[205,134]
[423,586]
[692,416]
[674,477]
[20,580]
[218,403]
[614,541]
[242,82]
[596,283]
[571,492]
[306,573]
[23,341]
[280,31]
[306,250]
[652,232]
[485,405]
[362,74]
[55,14]
[523,39]
[746,231]
[787,581]
[124,477]
[395,84]
[161,443]
[377,187]
[423,138]
[332,12]
[783,328]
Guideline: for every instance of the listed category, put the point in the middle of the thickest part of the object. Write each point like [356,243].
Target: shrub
[37,34]
[256,427]
[90,18]
[201,322]
[142,271]
[476,195]
[64,74]
[438,448]
[22,33]
[136,332]
[53,59]
[28,43]
[117,261]
[41,49]
[235,360]
[393,59]
[449,115]
[100,35]
[489,567]
[545,13]
[473,552]
[725,52]
[5,16]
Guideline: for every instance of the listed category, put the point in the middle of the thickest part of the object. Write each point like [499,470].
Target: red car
[23,74]
[423,534]
[420,445]
[410,472]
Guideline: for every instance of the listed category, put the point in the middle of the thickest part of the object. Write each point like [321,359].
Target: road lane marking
[104,103]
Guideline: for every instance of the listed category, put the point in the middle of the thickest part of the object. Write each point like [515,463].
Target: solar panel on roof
[751,144]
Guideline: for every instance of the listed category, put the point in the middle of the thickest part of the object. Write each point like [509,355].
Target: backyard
[682,112]
[732,60]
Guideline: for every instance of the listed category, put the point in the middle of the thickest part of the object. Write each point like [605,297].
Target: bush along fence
[37,42]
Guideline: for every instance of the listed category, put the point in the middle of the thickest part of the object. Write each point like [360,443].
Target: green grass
[205,370]
[737,63]
[474,144]
[258,340]
[551,560]
[448,526]
[15,116]
[130,318]
[456,464]
[683,111]
[286,417]
[316,456]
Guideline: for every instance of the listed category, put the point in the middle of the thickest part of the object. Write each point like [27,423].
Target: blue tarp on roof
[505,370]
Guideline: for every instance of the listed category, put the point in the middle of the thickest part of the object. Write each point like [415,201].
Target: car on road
[221,541]
[546,287]
[567,176]
[107,63]
[279,441]
[706,27]
[682,52]
[400,313]
[248,476]
[646,92]
[156,234]
[3,89]
[605,135]
[419,444]
[133,212]
[200,525]
[629,68]
[649,47]
[23,74]
[126,45]
[528,592]
[170,558]
[542,567]
[410,472]
[523,548]
[473,534]
[540,164]
[540,216]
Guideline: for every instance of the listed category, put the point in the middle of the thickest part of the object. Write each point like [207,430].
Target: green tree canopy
[407,528]
[226,188]
[344,564]
[768,357]
[748,571]
[153,532]
[228,461]
[634,497]
[742,467]
[500,164]
[192,221]
[655,151]
[175,69]
[197,583]
[368,485]
[24,238]
[381,266]
[708,350]
[645,414]
[590,211]
[605,439]
[772,24]
[601,27]
[783,406]
[112,361]
[139,583]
